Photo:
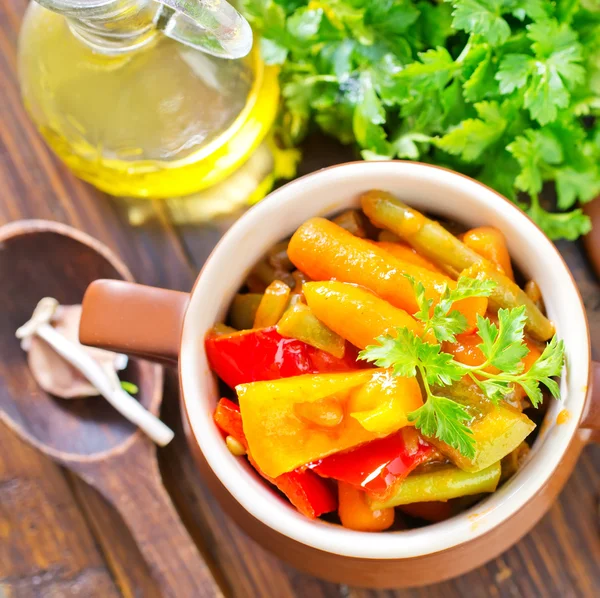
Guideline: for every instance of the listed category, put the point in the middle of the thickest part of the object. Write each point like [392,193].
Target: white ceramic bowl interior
[326,192]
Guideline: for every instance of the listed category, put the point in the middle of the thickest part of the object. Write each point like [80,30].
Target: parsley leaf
[514,71]
[572,184]
[495,89]
[401,353]
[550,363]
[474,135]
[535,151]
[483,17]
[557,69]
[443,323]
[444,419]
[503,345]
[405,352]
[567,225]
[439,368]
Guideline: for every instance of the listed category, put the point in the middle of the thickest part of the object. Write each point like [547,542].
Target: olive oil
[160,119]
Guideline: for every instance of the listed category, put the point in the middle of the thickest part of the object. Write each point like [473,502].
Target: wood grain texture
[88,437]
[59,538]
[46,547]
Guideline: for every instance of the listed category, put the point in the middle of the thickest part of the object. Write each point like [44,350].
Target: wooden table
[58,537]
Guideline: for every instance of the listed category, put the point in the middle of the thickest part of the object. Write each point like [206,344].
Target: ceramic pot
[171,326]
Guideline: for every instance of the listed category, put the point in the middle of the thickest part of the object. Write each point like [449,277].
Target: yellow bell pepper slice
[382,404]
[294,421]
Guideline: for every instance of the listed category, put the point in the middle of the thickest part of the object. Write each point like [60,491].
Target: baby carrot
[354,313]
[325,251]
[356,514]
[405,252]
[489,242]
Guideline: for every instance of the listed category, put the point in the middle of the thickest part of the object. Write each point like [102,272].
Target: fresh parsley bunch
[502,90]
[502,346]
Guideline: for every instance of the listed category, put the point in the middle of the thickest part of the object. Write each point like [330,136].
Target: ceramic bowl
[169,325]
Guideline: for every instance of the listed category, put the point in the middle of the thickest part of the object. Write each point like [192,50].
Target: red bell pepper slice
[378,465]
[228,418]
[263,354]
[309,493]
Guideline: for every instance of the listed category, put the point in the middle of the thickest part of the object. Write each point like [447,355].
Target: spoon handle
[131,482]
[112,392]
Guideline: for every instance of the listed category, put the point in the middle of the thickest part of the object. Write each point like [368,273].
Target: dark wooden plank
[123,557]
[35,185]
[46,548]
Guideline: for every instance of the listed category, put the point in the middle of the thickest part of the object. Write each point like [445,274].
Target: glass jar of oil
[145,98]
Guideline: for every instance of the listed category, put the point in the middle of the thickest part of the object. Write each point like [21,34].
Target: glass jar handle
[212,26]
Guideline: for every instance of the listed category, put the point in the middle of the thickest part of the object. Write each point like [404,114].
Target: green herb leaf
[482,17]
[495,390]
[567,225]
[444,419]
[493,88]
[550,362]
[129,387]
[503,345]
[401,353]
[422,301]
[535,151]
[439,368]
[473,136]
[557,69]
[471,287]
[514,72]
[446,324]
[572,184]
[532,389]
[504,348]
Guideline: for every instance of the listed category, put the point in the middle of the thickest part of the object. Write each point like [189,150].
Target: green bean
[243,310]
[388,237]
[441,483]
[300,323]
[497,430]
[428,237]
[434,242]
[508,294]
[220,329]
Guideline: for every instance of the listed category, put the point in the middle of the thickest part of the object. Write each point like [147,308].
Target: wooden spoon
[39,258]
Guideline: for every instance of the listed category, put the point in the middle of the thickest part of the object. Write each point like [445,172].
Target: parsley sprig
[439,320]
[505,91]
[502,345]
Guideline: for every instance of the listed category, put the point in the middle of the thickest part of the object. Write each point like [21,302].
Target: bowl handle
[591,416]
[134,319]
